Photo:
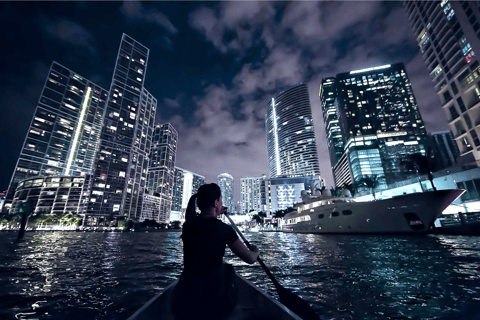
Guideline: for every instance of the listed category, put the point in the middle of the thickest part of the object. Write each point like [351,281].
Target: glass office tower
[448,34]
[225,182]
[64,134]
[291,147]
[161,170]
[330,118]
[380,123]
[121,169]
[254,194]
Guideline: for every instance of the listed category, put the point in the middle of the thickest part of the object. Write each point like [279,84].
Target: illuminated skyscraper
[448,33]
[291,147]
[122,162]
[254,194]
[225,182]
[330,118]
[380,123]
[64,134]
[185,184]
[162,168]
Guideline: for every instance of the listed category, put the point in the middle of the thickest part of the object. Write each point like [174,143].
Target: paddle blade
[296,304]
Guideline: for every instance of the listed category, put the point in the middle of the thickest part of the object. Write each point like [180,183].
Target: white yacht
[405,214]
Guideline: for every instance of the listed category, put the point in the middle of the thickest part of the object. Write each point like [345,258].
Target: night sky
[213,66]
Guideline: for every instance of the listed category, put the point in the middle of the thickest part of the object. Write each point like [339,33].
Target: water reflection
[110,275]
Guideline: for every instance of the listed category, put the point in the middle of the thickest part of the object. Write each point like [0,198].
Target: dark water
[110,275]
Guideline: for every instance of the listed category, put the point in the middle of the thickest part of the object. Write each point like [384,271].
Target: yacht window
[335,214]
[320,216]
[347,212]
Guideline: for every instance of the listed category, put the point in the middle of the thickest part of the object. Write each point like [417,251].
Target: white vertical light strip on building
[73,147]
[277,153]
[187,188]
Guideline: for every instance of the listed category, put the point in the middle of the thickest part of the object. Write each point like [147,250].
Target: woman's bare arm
[247,255]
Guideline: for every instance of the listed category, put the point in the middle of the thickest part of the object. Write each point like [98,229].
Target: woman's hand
[223,210]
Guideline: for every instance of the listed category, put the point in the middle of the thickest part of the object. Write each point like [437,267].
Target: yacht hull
[405,214]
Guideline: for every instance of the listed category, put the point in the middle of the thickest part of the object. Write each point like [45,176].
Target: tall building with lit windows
[120,173]
[330,118]
[254,194]
[186,183]
[379,120]
[161,170]
[64,134]
[448,34]
[225,182]
[291,147]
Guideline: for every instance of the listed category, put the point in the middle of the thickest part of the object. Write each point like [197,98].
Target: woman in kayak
[206,289]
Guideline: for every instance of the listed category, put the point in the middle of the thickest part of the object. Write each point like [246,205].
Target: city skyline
[218,92]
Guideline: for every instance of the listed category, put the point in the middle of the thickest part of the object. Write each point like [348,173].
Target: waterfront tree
[371,182]
[423,165]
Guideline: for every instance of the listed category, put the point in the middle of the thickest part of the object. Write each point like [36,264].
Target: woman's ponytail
[191,213]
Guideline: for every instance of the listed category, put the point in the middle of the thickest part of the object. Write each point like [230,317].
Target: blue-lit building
[379,120]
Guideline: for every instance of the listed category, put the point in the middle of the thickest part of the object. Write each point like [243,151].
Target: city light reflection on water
[109,275]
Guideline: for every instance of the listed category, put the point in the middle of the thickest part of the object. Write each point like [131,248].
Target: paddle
[290,300]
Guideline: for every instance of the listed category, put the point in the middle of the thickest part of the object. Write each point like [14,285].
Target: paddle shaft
[269,274]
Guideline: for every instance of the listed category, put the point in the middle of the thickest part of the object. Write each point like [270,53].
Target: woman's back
[204,241]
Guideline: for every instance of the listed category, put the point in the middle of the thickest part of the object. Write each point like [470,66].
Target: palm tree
[371,182]
[422,164]
[350,187]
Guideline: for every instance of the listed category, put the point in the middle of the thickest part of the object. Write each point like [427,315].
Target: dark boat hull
[252,303]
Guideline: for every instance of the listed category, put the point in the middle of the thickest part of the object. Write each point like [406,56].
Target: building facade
[330,118]
[448,33]
[380,123]
[54,194]
[225,182]
[291,146]
[64,134]
[286,192]
[120,173]
[161,170]
[444,148]
[254,194]
[185,184]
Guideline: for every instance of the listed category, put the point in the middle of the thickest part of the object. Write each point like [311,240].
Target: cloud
[134,10]
[69,32]
[231,26]
[296,42]
[219,143]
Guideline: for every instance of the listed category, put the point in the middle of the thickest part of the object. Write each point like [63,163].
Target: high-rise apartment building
[64,134]
[330,118]
[448,33]
[380,123]
[254,194]
[225,182]
[291,147]
[122,162]
[186,183]
[445,149]
[161,170]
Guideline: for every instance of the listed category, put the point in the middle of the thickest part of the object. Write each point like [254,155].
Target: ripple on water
[110,275]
